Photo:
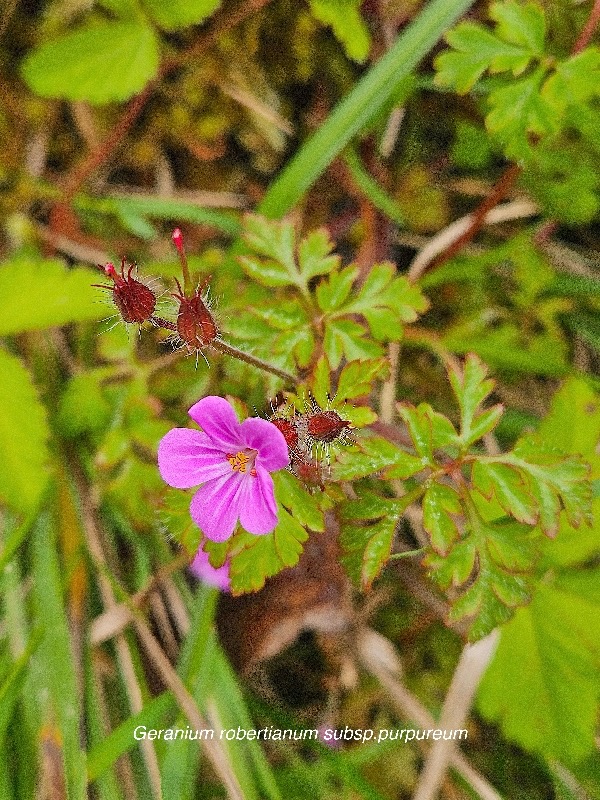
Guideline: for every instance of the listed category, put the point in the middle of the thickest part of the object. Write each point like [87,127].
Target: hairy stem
[253,360]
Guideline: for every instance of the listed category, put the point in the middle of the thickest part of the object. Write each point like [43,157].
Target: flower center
[242,461]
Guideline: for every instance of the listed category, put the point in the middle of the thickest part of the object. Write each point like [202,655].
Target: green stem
[408,553]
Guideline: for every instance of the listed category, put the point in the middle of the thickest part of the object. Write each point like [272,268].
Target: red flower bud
[326,426]
[135,301]
[195,324]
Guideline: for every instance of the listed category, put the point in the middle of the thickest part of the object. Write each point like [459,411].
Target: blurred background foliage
[122,118]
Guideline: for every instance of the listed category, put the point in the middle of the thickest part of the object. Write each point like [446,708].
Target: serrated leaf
[23,437]
[367,549]
[440,504]
[551,706]
[321,382]
[573,81]
[260,557]
[347,23]
[522,24]
[471,388]
[40,294]
[345,338]
[101,63]
[383,291]
[370,455]
[357,378]
[267,273]
[475,49]
[314,255]
[510,488]
[181,13]
[333,292]
[304,507]
[495,558]
[519,112]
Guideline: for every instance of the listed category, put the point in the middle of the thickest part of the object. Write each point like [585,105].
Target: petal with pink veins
[187,458]
[215,507]
[258,509]
[217,419]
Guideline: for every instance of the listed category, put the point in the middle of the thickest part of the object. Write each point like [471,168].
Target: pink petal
[213,576]
[258,509]
[218,420]
[187,458]
[215,507]
[268,440]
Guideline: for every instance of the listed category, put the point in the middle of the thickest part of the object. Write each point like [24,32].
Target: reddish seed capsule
[309,472]
[135,301]
[195,324]
[288,429]
[326,426]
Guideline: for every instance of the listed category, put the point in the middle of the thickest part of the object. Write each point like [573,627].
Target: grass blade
[367,98]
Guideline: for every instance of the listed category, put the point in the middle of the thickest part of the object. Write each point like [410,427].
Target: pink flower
[232,461]
[213,576]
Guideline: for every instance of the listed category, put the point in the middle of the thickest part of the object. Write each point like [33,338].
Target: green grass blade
[54,657]
[367,98]
[371,189]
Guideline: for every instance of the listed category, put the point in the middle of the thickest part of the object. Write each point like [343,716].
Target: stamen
[238,461]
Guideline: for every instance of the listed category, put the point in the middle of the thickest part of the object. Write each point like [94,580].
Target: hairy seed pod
[288,429]
[195,324]
[326,426]
[135,301]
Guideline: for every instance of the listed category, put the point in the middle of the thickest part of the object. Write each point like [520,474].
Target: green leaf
[475,50]
[371,94]
[257,558]
[101,63]
[181,13]
[303,506]
[23,437]
[522,24]
[385,301]
[174,515]
[343,337]
[510,488]
[370,455]
[345,19]
[520,112]
[333,292]
[314,254]
[428,429]
[367,549]
[83,406]
[573,81]
[554,477]
[40,294]
[357,378]
[440,504]
[550,707]
[471,388]
[495,559]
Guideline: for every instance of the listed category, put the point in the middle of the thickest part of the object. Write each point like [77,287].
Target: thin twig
[473,663]
[379,658]
[444,242]
[388,390]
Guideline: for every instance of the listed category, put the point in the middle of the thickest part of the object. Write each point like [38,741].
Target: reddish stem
[588,29]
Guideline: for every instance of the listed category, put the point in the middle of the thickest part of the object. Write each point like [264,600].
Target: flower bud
[288,429]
